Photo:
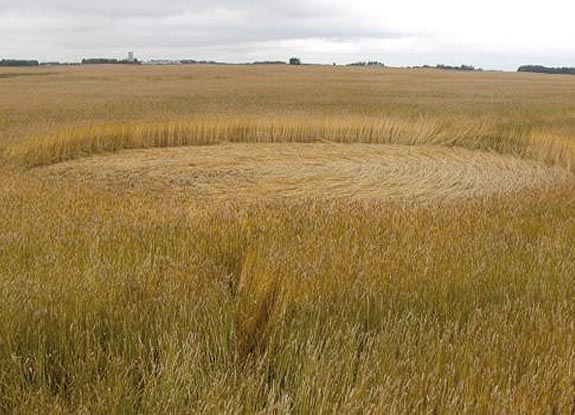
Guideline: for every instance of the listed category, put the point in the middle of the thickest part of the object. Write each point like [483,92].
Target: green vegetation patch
[14,75]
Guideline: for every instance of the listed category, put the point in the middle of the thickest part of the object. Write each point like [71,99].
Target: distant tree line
[292,61]
[195,62]
[269,63]
[99,61]
[366,63]
[108,61]
[544,69]
[14,62]
[468,68]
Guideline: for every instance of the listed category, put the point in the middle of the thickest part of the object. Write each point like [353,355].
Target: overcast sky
[494,34]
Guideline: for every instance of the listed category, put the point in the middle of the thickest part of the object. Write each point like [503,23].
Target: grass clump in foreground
[404,309]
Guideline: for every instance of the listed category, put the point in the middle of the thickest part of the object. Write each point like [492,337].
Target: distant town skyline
[491,34]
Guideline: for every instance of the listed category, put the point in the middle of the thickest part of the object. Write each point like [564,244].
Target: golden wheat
[287,265]
[355,171]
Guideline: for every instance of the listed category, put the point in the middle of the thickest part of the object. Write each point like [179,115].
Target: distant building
[130,56]
[162,62]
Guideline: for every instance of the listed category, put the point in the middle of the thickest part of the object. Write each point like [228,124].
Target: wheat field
[298,171]
[280,240]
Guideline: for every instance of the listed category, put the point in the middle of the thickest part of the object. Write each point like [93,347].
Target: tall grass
[548,147]
[98,139]
[72,144]
[236,310]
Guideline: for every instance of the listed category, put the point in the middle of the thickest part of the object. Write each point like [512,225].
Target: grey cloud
[73,25]
[153,8]
[240,30]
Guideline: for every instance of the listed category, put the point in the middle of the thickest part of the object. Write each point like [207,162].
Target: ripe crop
[267,240]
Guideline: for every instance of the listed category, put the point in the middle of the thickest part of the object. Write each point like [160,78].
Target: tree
[295,61]
[544,69]
[13,62]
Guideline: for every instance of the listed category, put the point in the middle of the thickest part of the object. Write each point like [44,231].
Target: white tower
[130,56]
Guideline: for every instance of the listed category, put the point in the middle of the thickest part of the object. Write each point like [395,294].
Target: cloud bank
[493,34]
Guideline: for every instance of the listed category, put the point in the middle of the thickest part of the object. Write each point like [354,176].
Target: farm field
[275,239]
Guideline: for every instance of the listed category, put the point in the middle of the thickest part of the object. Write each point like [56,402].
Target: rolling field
[268,239]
